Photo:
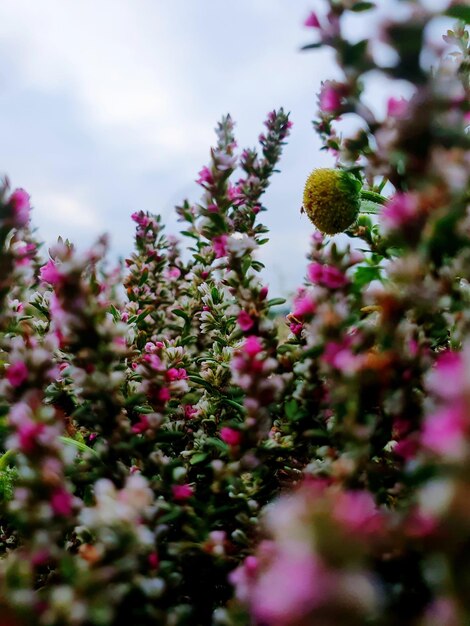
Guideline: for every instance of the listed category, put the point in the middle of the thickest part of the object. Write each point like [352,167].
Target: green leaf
[188,233]
[276,302]
[215,295]
[286,347]
[217,443]
[362,6]
[234,405]
[246,264]
[312,46]
[460,12]
[199,457]
[79,445]
[366,274]
[198,380]
[292,409]
[180,313]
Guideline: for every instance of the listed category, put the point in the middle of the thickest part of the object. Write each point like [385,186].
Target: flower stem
[373,196]
[5,458]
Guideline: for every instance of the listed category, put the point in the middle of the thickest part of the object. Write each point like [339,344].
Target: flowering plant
[146,439]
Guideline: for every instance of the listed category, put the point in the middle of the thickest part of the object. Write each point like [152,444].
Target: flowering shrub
[146,439]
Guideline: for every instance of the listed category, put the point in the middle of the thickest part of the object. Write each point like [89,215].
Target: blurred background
[109,106]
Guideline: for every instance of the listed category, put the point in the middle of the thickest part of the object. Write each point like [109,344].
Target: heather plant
[169,457]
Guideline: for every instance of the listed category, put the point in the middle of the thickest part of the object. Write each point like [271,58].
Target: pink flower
[244,577]
[331,96]
[61,502]
[17,374]
[263,293]
[356,511]
[142,425]
[231,436]
[291,587]
[19,201]
[448,379]
[304,305]
[245,321]
[327,276]
[399,210]
[182,492]
[312,21]
[397,107]
[153,360]
[315,273]
[28,433]
[406,448]
[153,560]
[164,394]
[252,346]
[141,219]
[296,329]
[219,245]
[205,176]
[189,411]
[173,272]
[175,373]
[444,432]
[50,274]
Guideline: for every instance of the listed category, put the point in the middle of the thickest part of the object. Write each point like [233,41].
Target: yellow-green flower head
[332,200]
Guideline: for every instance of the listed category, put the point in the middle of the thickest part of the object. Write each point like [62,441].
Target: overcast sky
[109,106]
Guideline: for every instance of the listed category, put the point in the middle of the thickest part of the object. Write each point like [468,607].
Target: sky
[109,106]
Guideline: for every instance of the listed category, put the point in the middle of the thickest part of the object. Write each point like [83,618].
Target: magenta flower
[164,394]
[399,210]
[397,107]
[312,21]
[142,425]
[245,321]
[153,360]
[231,436]
[252,346]
[19,201]
[448,379]
[175,373]
[172,272]
[304,305]
[444,432]
[219,245]
[291,587]
[153,560]
[330,97]
[333,277]
[17,374]
[296,329]
[182,492]
[28,433]
[356,511]
[205,176]
[50,274]
[141,219]
[189,411]
[61,502]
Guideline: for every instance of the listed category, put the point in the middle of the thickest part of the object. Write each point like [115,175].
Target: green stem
[373,196]
[5,458]
[382,184]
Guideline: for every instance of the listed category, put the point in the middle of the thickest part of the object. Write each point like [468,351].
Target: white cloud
[144,83]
